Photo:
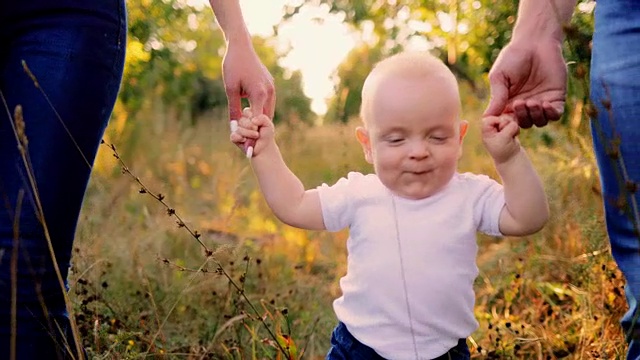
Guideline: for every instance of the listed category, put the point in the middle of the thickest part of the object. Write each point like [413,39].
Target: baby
[408,292]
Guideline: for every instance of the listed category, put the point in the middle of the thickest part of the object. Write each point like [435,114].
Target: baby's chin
[416,192]
[415,195]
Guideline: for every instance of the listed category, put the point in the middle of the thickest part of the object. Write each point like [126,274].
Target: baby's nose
[419,150]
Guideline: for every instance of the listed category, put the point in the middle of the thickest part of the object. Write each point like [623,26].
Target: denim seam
[120,42]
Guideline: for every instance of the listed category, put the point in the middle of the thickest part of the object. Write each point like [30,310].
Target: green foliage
[174,54]
[352,72]
[466,34]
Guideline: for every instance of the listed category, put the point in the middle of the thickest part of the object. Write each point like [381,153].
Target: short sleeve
[489,202]
[337,201]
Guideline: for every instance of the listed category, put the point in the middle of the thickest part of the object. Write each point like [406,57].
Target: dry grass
[552,295]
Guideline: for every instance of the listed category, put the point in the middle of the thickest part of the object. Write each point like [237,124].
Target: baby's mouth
[419,172]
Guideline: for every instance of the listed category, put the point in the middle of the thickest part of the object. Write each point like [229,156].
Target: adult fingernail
[234,125]
[249,152]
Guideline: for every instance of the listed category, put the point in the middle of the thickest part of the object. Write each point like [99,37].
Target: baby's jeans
[615,90]
[345,347]
[75,49]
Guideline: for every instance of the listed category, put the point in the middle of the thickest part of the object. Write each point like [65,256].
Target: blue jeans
[76,51]
[345,347]
[615,80]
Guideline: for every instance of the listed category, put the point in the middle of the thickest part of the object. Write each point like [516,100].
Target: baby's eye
[395,140]
[439,139]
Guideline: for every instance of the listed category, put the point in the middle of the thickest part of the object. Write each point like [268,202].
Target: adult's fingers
[522,114]
[270,104]
[257,100]
[233,124]
[536,113]
[499,96]
[554,111]
[234,102]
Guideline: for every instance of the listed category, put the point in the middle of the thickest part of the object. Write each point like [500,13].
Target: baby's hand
[499,135]
[258,130]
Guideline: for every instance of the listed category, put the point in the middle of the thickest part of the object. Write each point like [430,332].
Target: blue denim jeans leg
[615,80]
[76,51]
[345,347]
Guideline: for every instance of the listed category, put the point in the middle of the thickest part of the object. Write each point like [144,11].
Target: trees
[466,34]
[174,55]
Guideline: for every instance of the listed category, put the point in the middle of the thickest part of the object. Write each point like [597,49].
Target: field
[143,287]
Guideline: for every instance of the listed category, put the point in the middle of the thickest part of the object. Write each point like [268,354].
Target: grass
[138,293]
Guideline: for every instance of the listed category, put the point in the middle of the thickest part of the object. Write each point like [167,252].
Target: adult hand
[529,80]
[244,75]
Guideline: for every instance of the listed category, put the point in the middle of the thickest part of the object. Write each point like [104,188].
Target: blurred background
[142,285]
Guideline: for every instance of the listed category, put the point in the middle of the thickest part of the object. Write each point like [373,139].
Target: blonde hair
[412,65]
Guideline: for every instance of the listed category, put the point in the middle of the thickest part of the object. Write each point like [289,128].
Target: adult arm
[244,74]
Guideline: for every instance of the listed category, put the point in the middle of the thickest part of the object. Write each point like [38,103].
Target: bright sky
[318,41]
[316,47]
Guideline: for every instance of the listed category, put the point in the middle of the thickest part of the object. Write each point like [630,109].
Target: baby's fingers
[490,125]
[247,133]
[237,138]
[510,127]
[246,123]
[261,120]
[508,124]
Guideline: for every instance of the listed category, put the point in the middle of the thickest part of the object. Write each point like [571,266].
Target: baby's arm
[283,191]
[526,210]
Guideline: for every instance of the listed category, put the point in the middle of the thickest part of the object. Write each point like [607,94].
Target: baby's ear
[464,126]
[363,138]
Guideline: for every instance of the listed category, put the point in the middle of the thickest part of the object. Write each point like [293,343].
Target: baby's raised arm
[526,210]
[281,188]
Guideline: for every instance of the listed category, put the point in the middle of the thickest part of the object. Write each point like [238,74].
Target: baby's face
[413,136]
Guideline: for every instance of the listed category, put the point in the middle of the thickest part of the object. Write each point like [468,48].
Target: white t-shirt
[437,238]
